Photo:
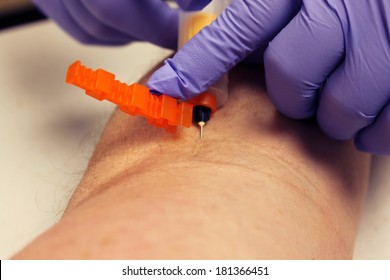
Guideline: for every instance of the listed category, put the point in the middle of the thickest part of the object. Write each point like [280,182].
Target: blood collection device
[190,23]
[161,111]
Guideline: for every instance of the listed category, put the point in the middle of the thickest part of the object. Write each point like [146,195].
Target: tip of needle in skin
[201,124]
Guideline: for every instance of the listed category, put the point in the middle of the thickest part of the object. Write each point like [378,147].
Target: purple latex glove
[333,61]
[192,5]
[115,22]
[245,26]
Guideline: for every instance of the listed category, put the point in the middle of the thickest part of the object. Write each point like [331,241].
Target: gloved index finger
[237,32]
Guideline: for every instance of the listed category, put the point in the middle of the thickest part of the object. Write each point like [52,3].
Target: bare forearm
[257,186]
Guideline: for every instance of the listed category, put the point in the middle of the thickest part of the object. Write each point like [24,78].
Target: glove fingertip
[375,138]
[284,86]
[166,81]
[360,145]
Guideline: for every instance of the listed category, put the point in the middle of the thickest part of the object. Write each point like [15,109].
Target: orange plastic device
[205,99]
[160,110]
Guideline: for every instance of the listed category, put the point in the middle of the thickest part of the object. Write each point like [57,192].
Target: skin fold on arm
[257,186]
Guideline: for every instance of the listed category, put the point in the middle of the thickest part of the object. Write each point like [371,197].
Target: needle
[201,124]
[201,116]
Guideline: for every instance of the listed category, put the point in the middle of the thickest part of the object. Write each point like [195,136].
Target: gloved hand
[332,60]
[244,27]
[115,22]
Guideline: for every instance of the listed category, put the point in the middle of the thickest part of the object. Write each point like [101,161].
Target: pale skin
[257,186]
